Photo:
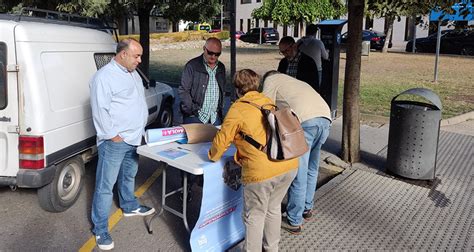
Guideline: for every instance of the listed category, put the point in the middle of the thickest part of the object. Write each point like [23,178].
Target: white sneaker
[140,211]
[104,241]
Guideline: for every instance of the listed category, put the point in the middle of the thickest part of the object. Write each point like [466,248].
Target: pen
[181,148]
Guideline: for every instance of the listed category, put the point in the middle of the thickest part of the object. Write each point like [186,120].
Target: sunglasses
[211,53]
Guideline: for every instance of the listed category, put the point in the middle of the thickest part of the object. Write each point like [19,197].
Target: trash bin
[365,48]
[413,135]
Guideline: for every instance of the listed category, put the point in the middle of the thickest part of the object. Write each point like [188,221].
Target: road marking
[117,215]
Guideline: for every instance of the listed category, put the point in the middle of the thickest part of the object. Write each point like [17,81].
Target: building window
[241,25]
[249,24]
[258,1]
[257,22]
[245,1]
[265,23]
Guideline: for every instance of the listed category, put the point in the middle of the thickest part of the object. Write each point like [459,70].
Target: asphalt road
[26,227]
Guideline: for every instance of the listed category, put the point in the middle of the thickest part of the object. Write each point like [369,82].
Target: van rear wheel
[65,188]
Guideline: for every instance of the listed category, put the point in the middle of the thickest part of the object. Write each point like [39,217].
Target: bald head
[129,53]
[211,51]
[213,42]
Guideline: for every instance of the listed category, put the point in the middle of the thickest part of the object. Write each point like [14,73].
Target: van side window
[3,75]
[102,59]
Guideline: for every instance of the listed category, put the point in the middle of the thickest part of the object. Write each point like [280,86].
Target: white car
[46,129]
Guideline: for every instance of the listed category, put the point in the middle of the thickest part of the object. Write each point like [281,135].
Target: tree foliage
[89,8]
[190,10]
[392,10]
[14,5]
[291,12]
[383,8]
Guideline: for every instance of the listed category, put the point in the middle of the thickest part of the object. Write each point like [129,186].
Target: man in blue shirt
[119,112]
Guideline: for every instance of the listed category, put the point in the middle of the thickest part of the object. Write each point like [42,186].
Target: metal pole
[233,50]
[222,16]
[438,45]
[260,36]
[413,48]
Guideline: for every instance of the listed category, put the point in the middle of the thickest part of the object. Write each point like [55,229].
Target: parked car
[452,42]
[198,27]
[238,34]
[377,39]
[267,35]
[46,130]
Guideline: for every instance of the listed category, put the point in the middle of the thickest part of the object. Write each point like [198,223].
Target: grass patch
[181,36]
[383,76]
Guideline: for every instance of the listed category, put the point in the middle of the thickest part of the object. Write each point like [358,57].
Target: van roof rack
[56,17]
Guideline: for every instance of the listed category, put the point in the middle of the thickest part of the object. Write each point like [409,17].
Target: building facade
[402,30]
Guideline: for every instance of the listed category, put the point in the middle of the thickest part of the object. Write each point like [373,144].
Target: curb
[458,119]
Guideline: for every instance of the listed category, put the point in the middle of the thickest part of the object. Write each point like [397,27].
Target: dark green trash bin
[413,135]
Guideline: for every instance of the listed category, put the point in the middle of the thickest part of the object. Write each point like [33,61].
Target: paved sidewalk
[365,208]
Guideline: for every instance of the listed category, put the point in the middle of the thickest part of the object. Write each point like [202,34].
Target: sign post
[464,11]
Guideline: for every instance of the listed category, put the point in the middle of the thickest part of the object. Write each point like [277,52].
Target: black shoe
[307,215]
[290,228]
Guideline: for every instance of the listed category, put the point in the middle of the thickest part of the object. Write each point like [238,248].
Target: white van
[46,129]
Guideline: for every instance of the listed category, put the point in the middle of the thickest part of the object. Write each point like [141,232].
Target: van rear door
[8,104]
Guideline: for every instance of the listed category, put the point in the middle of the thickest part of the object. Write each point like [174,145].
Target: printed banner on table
[164,135]
[220,224]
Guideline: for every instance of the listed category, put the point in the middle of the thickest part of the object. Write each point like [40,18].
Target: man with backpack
[315,117]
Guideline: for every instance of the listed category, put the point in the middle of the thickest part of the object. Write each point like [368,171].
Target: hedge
[181,36]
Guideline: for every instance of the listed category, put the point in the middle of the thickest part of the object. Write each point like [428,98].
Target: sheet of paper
[204,149]
[172,153]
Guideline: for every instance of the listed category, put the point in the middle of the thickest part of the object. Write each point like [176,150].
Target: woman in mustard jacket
[265,182]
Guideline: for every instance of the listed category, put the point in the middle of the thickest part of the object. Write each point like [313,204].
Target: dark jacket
[307,70]
[194,81]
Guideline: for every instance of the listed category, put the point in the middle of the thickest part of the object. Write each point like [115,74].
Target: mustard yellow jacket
[243,117]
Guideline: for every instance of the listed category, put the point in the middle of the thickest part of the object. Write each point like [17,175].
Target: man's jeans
[118,162]
[301,192]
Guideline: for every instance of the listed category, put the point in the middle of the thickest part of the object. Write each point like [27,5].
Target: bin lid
[425,93]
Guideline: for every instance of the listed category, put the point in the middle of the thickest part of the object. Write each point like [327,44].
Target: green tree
[393,10]
[116,10]
[8,5]
[293,12]
[351,111]
[197,11]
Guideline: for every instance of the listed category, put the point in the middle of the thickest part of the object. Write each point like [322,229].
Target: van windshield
[3,75]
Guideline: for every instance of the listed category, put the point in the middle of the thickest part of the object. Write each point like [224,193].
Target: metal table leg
[165,195]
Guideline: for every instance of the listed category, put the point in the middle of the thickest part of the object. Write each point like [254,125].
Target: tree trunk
[144,22]
[388,33]
[175,26]
[350,117]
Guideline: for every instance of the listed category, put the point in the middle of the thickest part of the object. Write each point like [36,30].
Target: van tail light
[31,151]
[375,39]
